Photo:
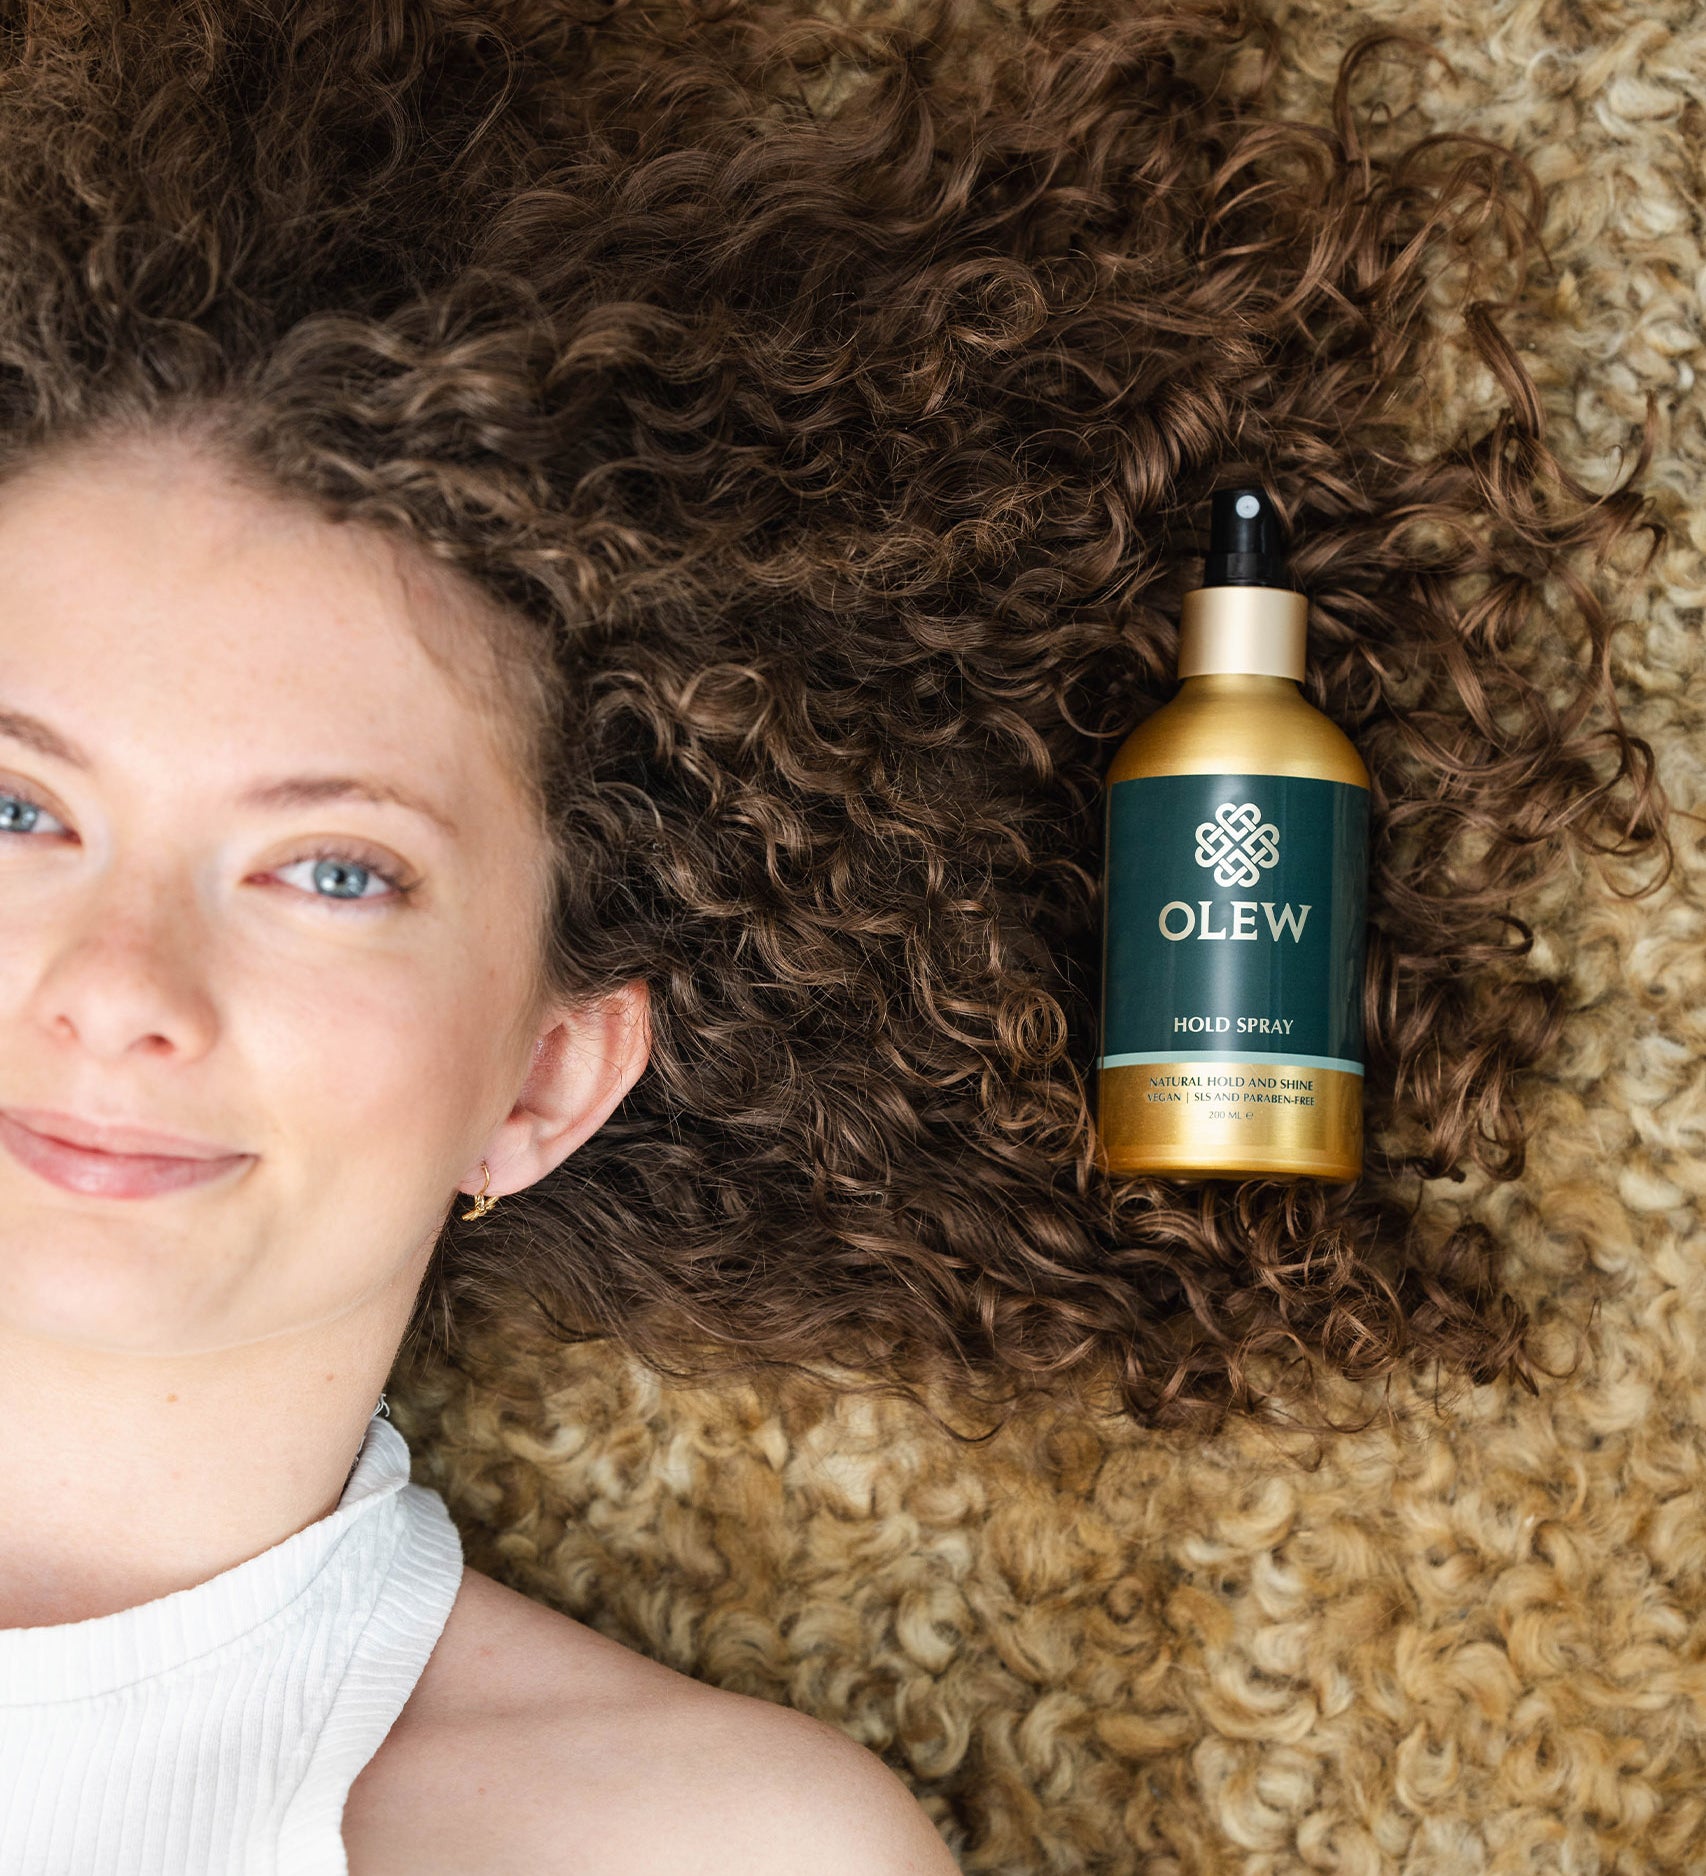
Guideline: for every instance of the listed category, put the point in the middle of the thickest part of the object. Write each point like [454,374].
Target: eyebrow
[289,791]
[294,791]
[34,734]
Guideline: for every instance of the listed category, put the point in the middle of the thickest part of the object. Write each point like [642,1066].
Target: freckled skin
[239,638]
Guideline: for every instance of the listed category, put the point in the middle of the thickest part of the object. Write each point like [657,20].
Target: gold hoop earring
[482,1204]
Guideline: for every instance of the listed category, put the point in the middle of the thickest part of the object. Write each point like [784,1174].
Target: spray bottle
[1234,893]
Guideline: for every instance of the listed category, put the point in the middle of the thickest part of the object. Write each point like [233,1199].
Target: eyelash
[359,856]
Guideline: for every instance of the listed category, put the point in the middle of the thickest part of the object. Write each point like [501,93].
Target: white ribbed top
[217,1731]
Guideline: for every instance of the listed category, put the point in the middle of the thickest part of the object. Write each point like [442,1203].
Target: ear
[585,1059]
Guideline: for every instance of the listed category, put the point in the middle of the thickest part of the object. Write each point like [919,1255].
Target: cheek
[371,1062]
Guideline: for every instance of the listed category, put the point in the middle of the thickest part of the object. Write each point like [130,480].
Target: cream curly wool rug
[1466,1639]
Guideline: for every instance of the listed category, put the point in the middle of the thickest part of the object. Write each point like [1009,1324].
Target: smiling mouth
[94,1164]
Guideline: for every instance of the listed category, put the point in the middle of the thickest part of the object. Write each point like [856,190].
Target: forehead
[149,594]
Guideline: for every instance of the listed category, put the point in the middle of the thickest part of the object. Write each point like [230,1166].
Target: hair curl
[834,401]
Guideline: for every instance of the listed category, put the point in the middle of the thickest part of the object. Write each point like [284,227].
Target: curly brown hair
[831,398]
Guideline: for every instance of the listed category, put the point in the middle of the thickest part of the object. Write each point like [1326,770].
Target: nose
[126,977]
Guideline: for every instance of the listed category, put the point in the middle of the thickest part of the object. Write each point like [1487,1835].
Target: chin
[102,1283]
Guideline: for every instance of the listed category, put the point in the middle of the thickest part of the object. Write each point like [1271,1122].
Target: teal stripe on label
[1224,1055]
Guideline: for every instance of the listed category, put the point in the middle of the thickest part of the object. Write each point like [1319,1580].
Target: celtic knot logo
[1237,843]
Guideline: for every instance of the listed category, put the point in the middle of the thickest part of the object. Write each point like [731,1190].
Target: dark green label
[1234,920]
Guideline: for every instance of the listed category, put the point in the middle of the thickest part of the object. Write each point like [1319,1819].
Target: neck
[128,1477]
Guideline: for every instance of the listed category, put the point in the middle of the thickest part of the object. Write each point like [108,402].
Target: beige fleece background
[1461,1641]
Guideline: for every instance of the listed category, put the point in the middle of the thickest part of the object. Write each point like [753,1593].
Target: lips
[111,1161]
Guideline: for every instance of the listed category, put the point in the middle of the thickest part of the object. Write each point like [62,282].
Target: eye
[340,877]
[20,815]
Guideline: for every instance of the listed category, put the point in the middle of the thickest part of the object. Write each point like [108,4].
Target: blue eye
[342,877]
[18,815]
[338,881]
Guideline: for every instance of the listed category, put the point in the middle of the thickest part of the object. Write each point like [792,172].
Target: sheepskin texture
[1465,1638]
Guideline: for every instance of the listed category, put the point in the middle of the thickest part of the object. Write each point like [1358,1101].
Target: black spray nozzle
[1243,541]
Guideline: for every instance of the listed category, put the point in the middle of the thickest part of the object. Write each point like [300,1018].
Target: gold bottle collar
[1257,630]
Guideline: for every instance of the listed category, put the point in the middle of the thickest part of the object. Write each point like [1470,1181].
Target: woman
[276,897]
[272,884]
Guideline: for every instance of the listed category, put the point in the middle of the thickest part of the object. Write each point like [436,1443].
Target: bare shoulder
[533,1743]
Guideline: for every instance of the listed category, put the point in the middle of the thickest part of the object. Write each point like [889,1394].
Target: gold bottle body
[1243,723]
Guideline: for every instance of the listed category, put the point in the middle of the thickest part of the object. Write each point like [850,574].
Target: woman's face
[267,885]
